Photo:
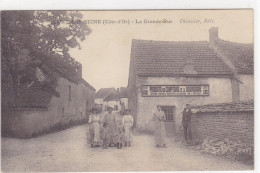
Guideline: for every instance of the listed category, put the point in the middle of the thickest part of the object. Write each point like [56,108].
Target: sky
[105,54]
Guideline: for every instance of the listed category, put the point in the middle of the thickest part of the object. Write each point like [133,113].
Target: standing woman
[128,122]
[94,121]
[119,133]
[109,119]
[159,128]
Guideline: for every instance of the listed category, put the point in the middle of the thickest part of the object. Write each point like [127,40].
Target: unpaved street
[68,151]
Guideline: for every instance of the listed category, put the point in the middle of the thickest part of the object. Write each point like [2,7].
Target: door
[170,112]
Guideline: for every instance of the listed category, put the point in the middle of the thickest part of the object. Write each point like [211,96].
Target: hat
[187,104]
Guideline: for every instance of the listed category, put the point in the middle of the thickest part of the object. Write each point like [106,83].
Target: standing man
[186,123]
[110,120]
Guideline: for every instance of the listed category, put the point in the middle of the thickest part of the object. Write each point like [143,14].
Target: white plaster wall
[99,101]
[220,91]
[125,101]
[247,88]
[112,103]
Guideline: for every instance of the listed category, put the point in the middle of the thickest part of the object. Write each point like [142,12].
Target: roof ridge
[235,43]
[141,40]
[223,103]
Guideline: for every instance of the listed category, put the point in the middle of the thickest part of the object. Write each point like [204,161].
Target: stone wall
[221,125]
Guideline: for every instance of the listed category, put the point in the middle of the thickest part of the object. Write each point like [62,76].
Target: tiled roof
[87,84]
[104,92]
[113,97]
[53,65]
[240,54]
[226,107]
[162,58]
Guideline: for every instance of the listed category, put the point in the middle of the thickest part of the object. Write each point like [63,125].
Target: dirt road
[68,151]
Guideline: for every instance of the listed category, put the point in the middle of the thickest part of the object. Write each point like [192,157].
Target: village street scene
[86,91]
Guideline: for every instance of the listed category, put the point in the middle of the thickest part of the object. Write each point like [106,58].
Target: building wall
[219,91]
[113,103]
[247,88]
[61,110]
[100,101]
[235,126]
[125,101]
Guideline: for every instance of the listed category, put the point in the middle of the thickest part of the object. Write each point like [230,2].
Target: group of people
[117,131]
[112,130]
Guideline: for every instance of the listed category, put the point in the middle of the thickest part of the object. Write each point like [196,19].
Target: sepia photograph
[127,90]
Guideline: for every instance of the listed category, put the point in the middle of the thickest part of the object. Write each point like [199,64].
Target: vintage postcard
[137,90]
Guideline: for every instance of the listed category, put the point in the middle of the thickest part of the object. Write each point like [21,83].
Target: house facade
[101,98]
[113,101]
[52,96]
[111,97]
[173,74]
[123,94]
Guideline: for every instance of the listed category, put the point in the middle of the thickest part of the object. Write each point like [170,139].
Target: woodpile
[227,148]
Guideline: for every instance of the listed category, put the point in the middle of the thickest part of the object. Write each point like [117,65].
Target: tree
[50,32]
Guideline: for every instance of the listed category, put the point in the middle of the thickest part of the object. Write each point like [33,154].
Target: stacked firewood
[229,148]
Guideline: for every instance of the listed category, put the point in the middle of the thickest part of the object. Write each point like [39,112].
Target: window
[69,93]
[62,111]
[169,112]
[175,90]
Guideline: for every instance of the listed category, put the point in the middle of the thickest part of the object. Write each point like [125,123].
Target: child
[105,136]
[119,136]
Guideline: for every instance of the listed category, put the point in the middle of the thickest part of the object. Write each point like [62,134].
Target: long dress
[159,128]
[119,133]
[128,122]
[94,121]
[105,136]
[110,120]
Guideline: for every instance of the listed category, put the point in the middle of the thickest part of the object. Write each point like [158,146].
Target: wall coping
[24,109]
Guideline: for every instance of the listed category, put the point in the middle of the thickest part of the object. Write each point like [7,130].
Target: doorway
[170,113]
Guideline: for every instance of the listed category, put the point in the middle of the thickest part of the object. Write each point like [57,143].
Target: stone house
[113,101]
[51,93]
[173,74]
[123,94]
[101,95]
[111,97]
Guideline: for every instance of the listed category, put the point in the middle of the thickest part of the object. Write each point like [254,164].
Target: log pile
[231,149]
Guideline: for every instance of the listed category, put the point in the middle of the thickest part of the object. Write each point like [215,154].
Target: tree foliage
[50,32]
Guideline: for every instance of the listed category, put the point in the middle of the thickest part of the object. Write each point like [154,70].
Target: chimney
[80,70]
[117,90]
[213,33]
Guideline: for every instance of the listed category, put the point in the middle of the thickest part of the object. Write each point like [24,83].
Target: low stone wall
[237,126]
[29,122]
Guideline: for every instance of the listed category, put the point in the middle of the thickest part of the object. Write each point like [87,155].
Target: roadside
[68,151]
